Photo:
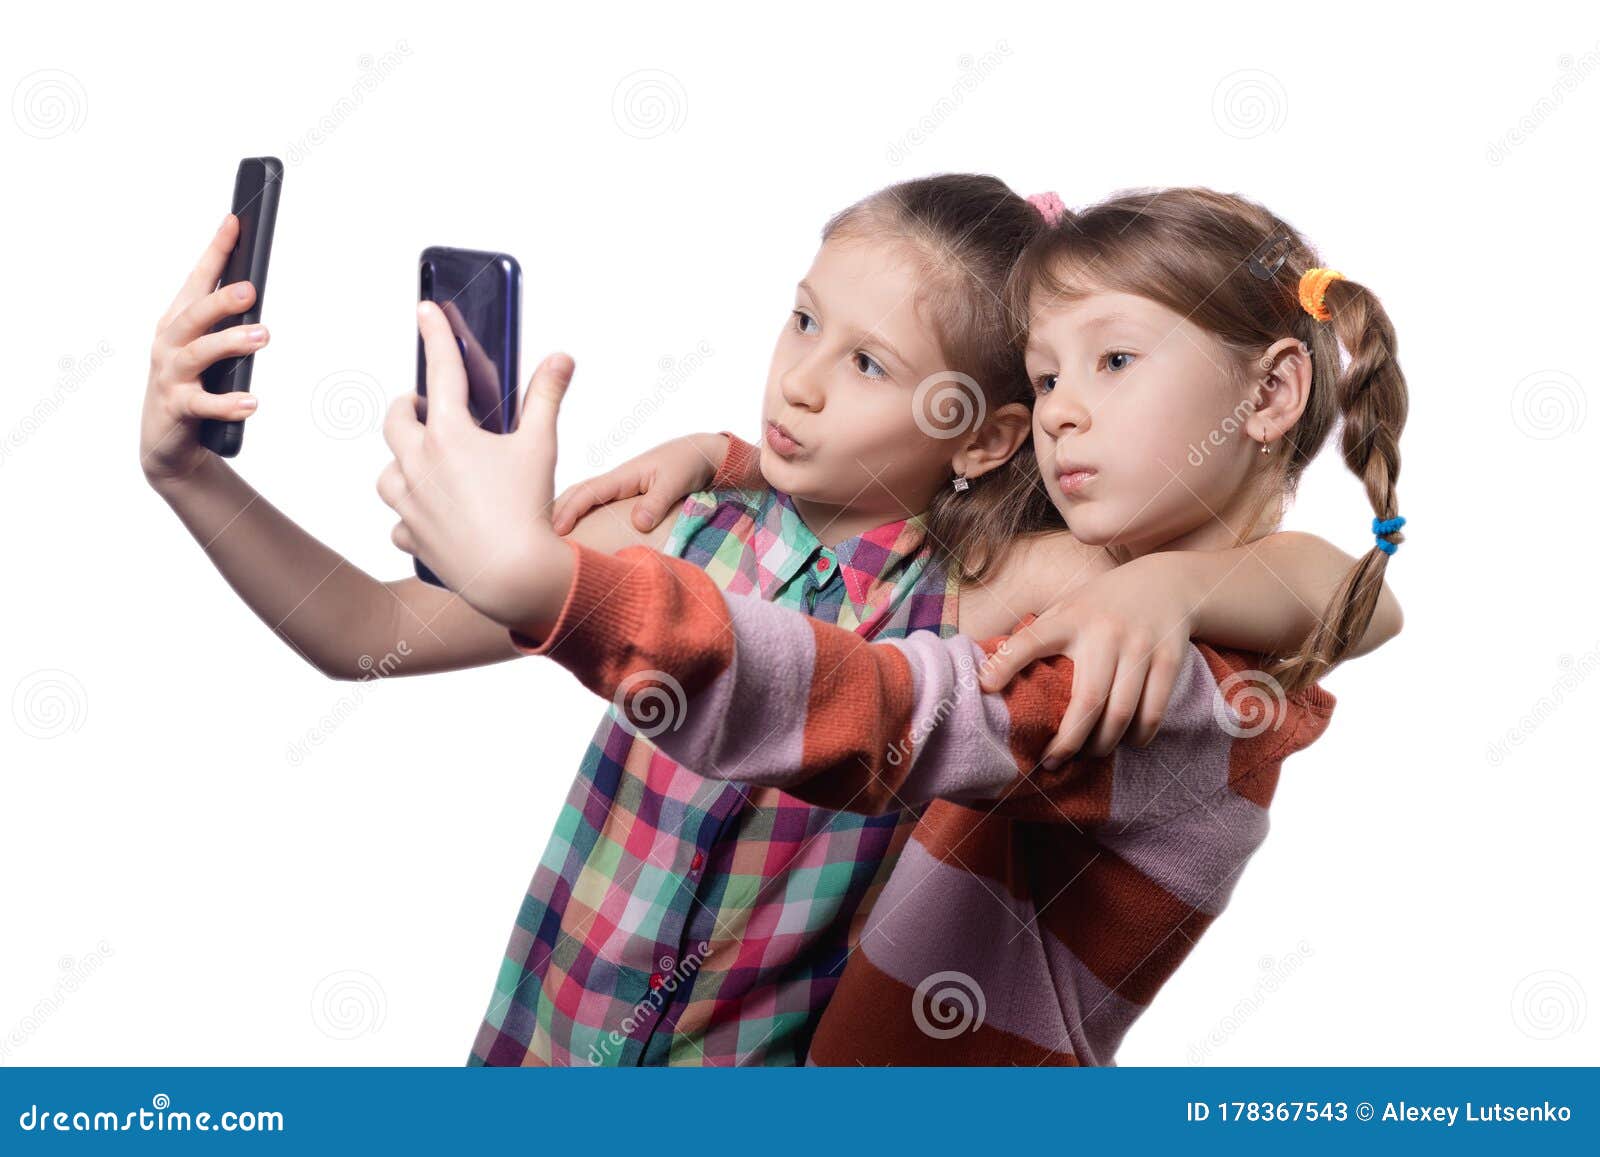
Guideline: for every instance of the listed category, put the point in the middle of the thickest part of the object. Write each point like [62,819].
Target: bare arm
[1128,631]
[332,613]
[1268,595]
[341,620]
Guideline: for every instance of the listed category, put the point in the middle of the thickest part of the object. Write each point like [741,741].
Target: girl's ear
[1281,391]
[997,437]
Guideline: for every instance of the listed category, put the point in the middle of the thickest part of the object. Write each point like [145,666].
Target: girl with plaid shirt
[675,919]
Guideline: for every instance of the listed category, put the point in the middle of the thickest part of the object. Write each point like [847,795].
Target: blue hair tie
[1383,526]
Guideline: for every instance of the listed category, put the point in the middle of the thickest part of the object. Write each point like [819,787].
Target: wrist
[1179,578]
[200,476]
[538,584]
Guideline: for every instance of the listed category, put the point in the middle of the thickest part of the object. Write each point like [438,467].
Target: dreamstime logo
[48,704]
[372,670]
[347,404]
[948,1004]
[1574,672]
[49,103]
[1248,703]
[348,1004]
[902,749]
[650,702]
[74,972]
[1549,1004]
[1574,71]
[674,373]
[374,71]
[649,103]
[74,372]
[1549,404]
[974,71]
[1274,971]
[947,404]
[1249,103]
[1221,433]
[669,976]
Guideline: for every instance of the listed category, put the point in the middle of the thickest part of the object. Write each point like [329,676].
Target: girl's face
[839,429]
[1139,425]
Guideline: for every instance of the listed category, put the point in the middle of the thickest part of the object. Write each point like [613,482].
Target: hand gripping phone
[255,203]
[481,294]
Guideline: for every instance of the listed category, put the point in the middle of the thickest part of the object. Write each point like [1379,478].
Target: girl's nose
[801,384]
[1059,412]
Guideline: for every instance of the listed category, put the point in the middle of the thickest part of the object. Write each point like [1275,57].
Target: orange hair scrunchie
[1313,286]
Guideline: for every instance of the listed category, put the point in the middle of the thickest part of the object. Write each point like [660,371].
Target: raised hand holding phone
[480,292]
[188,340]
[474,506]
[255,207]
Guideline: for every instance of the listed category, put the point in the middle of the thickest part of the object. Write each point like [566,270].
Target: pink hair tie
[1049,206]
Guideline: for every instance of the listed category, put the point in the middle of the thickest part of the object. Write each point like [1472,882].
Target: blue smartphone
[481,294]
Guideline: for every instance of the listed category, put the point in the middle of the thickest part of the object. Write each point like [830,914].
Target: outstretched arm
[741,689]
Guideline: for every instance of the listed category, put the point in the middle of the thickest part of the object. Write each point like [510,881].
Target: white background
[177,890]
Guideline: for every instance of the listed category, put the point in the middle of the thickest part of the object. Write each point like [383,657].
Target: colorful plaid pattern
[679,920]
[1034,912]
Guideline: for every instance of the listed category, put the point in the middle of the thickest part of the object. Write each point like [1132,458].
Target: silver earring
[1265,449]
[960,483]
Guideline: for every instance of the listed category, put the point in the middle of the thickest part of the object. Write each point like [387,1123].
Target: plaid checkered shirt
[680,920]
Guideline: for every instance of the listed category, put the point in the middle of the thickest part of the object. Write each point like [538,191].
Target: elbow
[1394,618]
[339,672]
[1390,618]
[1387,621]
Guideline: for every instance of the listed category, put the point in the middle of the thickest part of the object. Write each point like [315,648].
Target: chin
[781,475]
[1090,527]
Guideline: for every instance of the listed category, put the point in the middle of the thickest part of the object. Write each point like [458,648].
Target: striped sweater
[1034,913]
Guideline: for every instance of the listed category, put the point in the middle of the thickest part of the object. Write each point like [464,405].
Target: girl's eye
[868,367]
[1116,360]
[802,319]
[1044,383]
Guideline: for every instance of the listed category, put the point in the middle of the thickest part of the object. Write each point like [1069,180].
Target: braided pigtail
[1371,399]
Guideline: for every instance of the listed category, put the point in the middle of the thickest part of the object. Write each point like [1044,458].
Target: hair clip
[1270,256]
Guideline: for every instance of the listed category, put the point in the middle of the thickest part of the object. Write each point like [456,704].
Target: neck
[1245,521]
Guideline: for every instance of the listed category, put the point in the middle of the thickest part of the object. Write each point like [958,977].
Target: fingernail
[1052,763]
[248,402]
[257,333]
[422,309]
[226,217]
[242,290]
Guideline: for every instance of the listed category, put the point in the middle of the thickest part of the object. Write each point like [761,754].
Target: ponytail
[1370,395]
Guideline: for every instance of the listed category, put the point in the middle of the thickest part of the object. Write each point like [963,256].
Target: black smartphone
[255,203]
[481,294]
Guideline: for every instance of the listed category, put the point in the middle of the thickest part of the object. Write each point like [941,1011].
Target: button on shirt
[679,920]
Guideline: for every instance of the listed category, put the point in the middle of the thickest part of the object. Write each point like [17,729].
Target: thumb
[1014,653]
[651,509]
[541,402]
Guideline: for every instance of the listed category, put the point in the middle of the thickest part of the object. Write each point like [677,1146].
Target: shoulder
[1265,722]
[716,514]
